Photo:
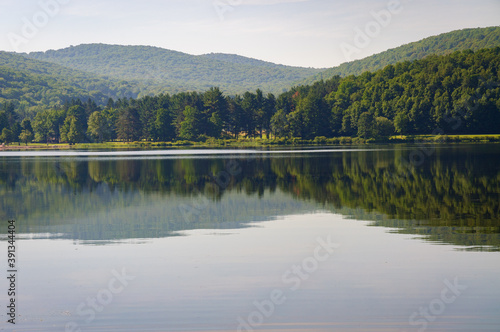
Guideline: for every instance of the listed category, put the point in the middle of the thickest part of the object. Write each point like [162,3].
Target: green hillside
[100,71]
[446,43]
[234,58]
[34,89]
[162,70]
[453,94]
[37,83]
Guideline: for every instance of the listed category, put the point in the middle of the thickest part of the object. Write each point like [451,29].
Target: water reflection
[451,197]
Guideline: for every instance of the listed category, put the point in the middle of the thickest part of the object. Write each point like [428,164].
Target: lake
[372,238]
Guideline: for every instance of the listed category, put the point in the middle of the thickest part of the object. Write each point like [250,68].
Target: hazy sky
[309,33]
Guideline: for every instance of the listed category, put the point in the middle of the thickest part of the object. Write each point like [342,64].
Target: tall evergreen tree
[128,125]
[165,130]
[190,127]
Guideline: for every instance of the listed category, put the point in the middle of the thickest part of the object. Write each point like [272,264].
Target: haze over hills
[458,40]
[32,82]
[161,70]
[99,71]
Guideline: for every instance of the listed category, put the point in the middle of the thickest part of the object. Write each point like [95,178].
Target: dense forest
[35,84]
[152,70]
[100,72]
[164,71]
[454,94]
[443,44]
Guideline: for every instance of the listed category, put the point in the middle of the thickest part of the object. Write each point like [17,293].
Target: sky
[307,33]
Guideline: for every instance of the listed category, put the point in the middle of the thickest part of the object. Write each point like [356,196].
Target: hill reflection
[452,197]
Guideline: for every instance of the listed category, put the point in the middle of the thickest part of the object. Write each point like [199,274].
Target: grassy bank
[445,138]
[261,142]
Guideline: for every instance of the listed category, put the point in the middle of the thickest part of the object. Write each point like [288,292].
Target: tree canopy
[443,44]
[454,94]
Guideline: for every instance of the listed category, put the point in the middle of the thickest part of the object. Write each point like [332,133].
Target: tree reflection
[452,197]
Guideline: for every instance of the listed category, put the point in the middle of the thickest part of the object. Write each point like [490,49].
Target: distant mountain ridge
[100,71]
[234,58]
[34,83]
[445,43]
[162,70]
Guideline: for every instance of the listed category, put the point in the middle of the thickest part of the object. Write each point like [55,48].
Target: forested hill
[446,43]
[453,94]
[34,83]
[234,58]
[166,71]
[99,71]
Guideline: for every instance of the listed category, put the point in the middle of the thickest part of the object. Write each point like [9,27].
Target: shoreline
[259,142]
[14,146]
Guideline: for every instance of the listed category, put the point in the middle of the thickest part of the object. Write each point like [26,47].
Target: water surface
[210,238]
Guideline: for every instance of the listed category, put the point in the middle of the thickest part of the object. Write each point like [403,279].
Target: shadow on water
[450,196]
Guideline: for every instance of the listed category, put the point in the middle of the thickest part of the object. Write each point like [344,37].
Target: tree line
[457,94]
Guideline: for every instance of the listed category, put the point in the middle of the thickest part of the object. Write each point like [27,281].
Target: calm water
[392,238]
